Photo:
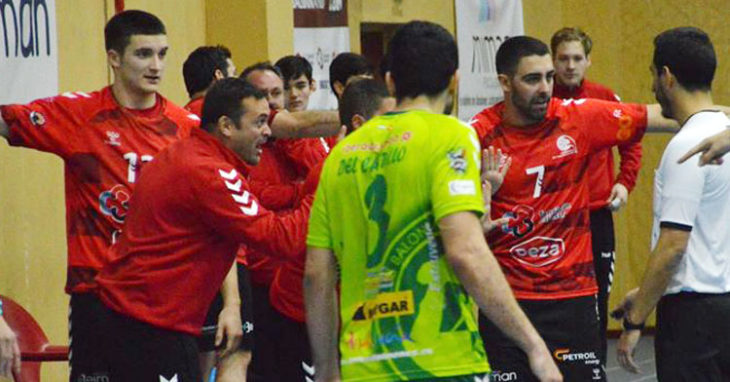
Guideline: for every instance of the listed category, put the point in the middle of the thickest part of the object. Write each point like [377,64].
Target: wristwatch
[628,325]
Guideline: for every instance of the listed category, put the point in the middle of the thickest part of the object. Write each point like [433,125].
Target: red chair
[33,343]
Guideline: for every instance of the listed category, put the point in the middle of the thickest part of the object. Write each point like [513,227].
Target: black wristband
[628,325]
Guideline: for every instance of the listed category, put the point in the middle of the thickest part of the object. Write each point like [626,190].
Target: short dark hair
[363,97]
[225,98]
[264,65]
[422,58]
[126,24]
[568,34]
[513,49]
[292,67]
[689,55]
[346,65]
[200,66]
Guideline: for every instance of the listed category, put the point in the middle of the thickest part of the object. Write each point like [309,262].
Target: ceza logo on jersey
[115,202]
[538,251]
[522,220]
[566,146]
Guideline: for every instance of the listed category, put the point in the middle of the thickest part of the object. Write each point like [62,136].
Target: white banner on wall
[320,46]
[481,27]
[28,50]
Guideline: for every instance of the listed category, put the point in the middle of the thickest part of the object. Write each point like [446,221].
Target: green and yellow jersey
[404,314]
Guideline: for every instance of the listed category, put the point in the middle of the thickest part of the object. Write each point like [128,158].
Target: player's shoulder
[487,120]
[81,100]
[179,115]
[698,127]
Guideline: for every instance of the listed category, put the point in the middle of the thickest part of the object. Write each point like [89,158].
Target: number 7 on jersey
[540,171]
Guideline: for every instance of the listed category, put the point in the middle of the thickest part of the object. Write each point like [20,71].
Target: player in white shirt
[688,274]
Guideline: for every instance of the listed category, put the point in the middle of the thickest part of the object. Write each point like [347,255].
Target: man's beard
[524,107]
[663,101]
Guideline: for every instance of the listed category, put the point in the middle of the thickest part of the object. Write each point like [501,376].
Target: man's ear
[218,75]
[667,77]
[313,85]
[339,88]
[505,82]
[357,121]
[389,83]
[225,126]
[113,58]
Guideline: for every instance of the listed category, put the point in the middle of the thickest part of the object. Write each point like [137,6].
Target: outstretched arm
[305,124]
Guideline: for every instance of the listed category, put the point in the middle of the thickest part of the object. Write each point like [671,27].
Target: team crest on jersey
[112,138]
[522,220]
[538,251]
[115,203]
[37,119]
[457,160]
[566,146]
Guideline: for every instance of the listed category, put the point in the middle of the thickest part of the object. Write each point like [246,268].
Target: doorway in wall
[374,38]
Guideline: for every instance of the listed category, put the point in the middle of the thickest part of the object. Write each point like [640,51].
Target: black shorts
[570,330]
[693,337]
[130,350]
[206,342]
[283,352]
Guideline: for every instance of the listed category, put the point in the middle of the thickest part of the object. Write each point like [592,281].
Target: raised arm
[305,124]
[479,272]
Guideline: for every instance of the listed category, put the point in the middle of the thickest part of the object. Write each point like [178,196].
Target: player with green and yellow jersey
[396,222]
[403,311]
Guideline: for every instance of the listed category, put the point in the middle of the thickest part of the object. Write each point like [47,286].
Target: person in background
[571,48]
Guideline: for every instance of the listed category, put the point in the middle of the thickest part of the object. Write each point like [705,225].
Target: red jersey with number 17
[103,147]
[545,249]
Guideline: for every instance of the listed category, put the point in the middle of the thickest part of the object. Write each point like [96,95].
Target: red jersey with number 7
[545,248]
[103,146]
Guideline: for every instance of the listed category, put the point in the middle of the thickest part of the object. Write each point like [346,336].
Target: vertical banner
[320,34]
[28,50]
[481,27]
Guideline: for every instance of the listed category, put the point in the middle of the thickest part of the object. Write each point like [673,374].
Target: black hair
[200,66]
[689,55]
[346,65]
[513,49]
[264,65]
[126,24]
[422,58]
[225,98]
[292,67]
[363,97]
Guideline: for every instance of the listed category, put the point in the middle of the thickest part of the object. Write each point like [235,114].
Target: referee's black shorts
[570,330]
[693,337]
[206,341]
